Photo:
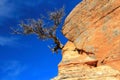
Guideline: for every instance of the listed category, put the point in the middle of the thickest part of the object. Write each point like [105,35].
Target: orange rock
[94,26]
[70,55]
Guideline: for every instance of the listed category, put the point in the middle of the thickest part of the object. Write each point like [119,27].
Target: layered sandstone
[76,66]
[93,49]
[94,26]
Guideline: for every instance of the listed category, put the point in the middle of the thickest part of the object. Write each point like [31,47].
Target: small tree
[44,32]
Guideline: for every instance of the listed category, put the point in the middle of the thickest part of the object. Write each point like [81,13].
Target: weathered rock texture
[93,49]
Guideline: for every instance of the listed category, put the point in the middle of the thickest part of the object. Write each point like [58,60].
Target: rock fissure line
[107,14]
[104,61]
[92,77]
[92,63]
[81,51]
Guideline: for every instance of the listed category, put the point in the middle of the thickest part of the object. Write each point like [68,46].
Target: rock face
[76,66]
[93,49]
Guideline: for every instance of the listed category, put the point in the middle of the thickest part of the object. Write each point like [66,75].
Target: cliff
[93,48]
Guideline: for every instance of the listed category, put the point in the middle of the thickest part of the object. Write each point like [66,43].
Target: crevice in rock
[108,59]
[89,63]
[81,51]
[68,31]
[107,14]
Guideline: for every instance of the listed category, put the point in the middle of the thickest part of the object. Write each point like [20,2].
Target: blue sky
[26,57]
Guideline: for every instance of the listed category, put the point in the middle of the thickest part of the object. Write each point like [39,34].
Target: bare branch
[32,26]
[15,31]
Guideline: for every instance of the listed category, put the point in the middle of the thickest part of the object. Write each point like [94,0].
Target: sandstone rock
[94,26]
[83,72]
[93,48]
[75,66]
[70,55]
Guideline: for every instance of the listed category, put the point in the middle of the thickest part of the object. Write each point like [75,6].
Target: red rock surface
[94,26]
[93,32]
[75,66]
